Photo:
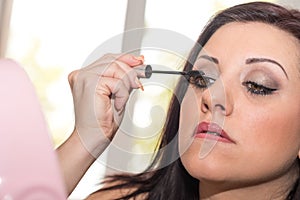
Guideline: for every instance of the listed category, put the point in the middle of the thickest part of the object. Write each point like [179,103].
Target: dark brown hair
[173,181]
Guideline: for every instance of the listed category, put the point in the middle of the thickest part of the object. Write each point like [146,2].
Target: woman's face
[255,100]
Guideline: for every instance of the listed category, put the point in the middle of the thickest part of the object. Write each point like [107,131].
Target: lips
[212,131]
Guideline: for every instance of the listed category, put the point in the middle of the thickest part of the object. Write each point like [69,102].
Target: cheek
[269,126]
[267,131]
[189,119]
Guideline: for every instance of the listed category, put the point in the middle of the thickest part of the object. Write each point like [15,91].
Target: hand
[100,92]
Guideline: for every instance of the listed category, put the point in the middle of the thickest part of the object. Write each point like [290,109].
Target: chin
[209,168]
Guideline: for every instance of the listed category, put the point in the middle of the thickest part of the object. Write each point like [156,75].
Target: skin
[114,75]
[261,163]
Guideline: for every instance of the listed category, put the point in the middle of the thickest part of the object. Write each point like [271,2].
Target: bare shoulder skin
[113,194]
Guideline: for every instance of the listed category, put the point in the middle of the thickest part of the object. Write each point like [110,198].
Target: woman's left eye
[258,89]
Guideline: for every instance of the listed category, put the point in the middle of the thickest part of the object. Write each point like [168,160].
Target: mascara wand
[187,74]
[197,77]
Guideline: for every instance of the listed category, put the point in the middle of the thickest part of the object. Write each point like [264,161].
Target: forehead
[239,40]
[253,34]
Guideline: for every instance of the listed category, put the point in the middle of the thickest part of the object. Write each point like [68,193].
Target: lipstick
[212,131]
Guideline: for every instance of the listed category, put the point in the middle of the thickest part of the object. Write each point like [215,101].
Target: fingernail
[138,82]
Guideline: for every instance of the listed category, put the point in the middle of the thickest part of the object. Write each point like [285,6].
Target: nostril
[204,107]
[220,106]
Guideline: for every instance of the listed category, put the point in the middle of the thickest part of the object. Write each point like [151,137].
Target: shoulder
[114,194]
[106,195]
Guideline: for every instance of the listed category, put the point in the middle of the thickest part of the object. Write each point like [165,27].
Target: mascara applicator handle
[148,71]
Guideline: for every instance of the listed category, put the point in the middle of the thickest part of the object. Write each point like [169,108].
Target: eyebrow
[258,60]
[209,58]
[248,61]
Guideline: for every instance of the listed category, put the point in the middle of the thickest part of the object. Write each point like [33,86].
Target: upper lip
[205,127]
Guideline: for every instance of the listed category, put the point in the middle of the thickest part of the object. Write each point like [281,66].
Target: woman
[249,114]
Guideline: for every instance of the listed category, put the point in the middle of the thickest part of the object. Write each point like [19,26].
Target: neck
[276,189]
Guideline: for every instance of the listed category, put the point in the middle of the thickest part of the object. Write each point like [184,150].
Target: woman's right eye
[201,81]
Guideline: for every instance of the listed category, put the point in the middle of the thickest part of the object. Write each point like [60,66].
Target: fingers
[131,59]
[121,71]
[115,89]
[128,59]
[114,65]
[116,78]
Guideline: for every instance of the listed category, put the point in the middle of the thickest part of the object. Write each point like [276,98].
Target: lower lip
[212,137]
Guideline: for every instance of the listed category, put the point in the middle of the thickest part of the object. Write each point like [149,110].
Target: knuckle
[114,64]
[72,76]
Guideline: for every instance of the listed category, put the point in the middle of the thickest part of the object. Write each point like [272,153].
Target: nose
[217,98]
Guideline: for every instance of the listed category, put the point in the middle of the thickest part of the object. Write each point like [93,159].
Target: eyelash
[258,89]
[201,82]
[252,87]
